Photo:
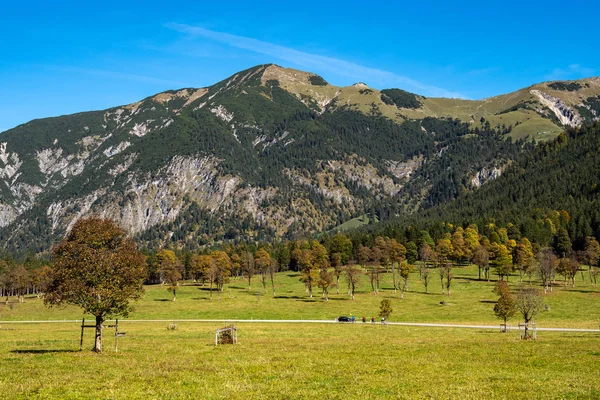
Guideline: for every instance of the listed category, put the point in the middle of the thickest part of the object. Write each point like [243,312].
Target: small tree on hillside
[353,274]
[385,308]
[591,256]
[262,260]
[171,270]
[568,268]
[529,303]
[325,281]
[97,268]
[506,305]
[405,270]
[248,266]
[481,258]
[547,267]
[221,269]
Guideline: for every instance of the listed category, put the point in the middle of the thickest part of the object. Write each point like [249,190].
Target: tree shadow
[488,301]
[162,300]
[41,351]
[581,290]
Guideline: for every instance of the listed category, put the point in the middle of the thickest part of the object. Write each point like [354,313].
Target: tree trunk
[98,341]
[442,283]
[394,276]
[273,284]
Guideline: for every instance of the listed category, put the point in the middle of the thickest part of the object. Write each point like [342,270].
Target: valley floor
[288,360]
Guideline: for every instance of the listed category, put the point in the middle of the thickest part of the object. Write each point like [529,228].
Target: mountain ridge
[266,152]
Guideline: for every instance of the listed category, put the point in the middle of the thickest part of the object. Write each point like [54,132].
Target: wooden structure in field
[226,335]
[529,332]
[118,334]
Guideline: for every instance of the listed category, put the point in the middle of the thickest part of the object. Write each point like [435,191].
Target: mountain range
[268,153]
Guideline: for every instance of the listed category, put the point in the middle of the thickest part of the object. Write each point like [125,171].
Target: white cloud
[573,71]
[317,62]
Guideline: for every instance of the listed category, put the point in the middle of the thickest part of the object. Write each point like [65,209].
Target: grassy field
[298,361]
[309,360]
[471,301]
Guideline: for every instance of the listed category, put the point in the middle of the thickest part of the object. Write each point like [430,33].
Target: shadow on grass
[581,290]
[40,351]
[163,300]
[488,301]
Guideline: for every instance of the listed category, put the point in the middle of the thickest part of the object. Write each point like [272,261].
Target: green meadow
[317,360]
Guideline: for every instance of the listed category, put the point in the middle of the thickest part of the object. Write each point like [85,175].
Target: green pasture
[471,302]
[285,361]
[308,360]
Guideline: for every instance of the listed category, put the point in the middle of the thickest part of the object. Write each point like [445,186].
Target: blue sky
[64,57]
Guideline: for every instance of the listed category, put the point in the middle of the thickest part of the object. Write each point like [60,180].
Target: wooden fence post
[81,339]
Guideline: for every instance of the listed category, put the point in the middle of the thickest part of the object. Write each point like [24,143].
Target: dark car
[344,319]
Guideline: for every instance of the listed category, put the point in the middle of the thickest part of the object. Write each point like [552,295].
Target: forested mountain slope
[558,176]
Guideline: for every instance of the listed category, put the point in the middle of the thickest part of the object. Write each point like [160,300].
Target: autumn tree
[365,255]
[96,267]
[405,269]
[325,281]
[341,245]
[41,278]
[171,270]
[592,256]
[273,269]
[338,268]
[309,272]
[396,254]
[523,257]
[460,251]
[506,306]
[444,250]
[221,270]
[501,260]
[21,279]
[262,260]
[353,274]
[481,258]
[385,308]
[248,266]
[425,253]
[568,267]
[200,267]
[547,263]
